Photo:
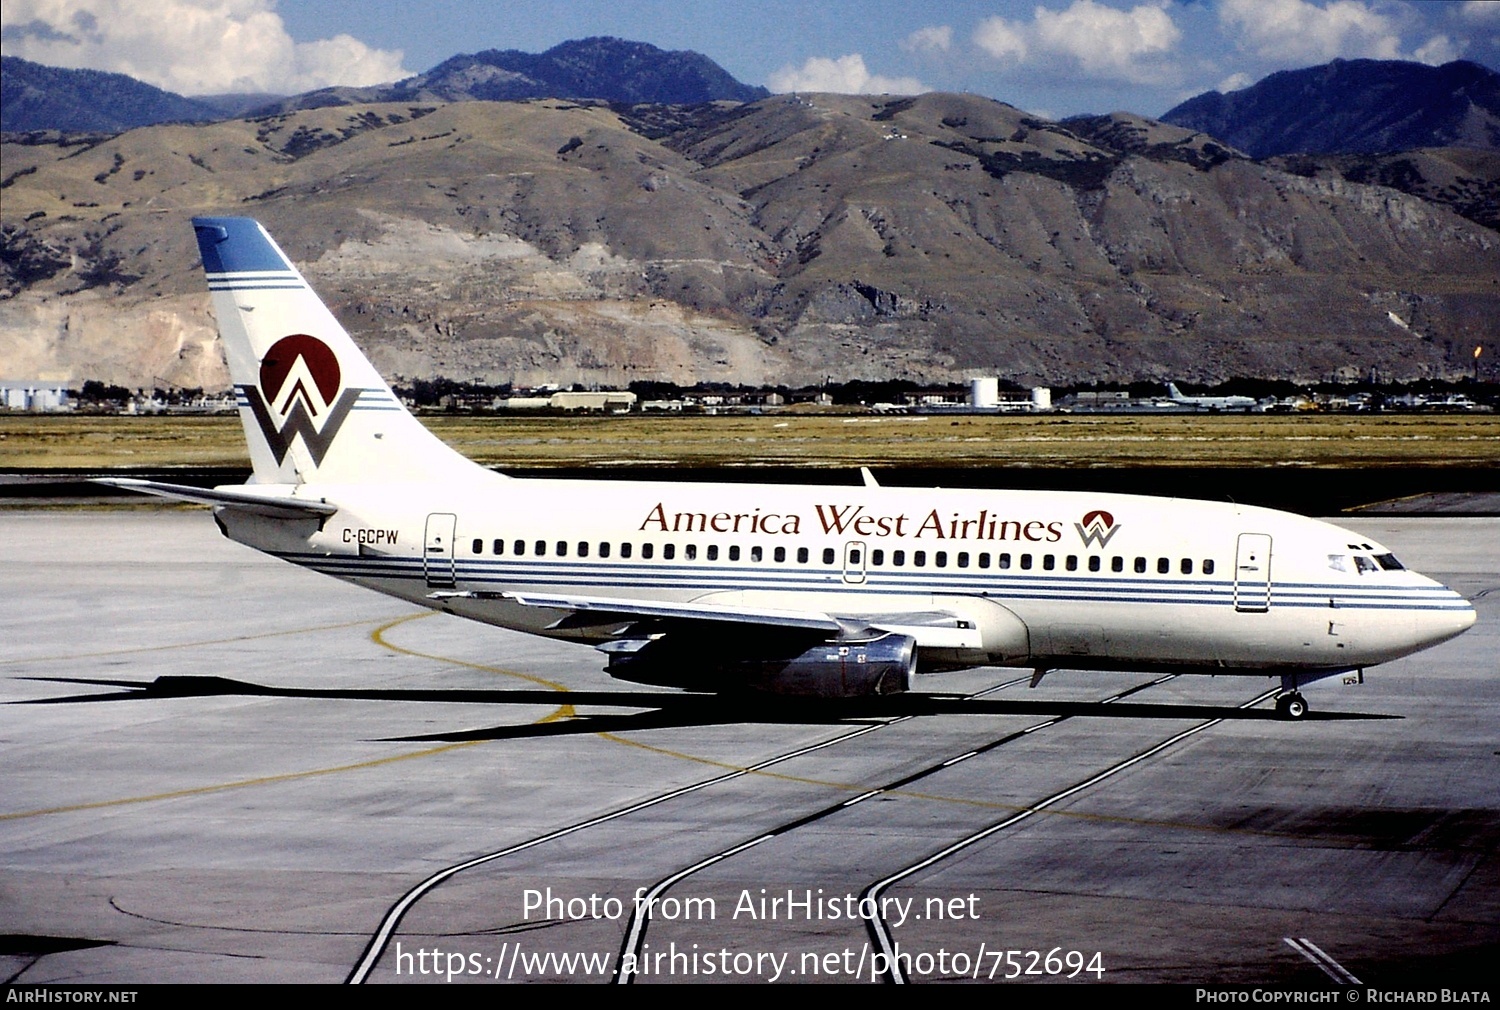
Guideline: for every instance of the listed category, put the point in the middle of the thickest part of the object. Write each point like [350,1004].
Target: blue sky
[1053,57]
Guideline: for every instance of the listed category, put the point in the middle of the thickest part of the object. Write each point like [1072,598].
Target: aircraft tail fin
[313,407]
[1173,392]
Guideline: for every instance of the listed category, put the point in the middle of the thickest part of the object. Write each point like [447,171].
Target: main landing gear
[1290,705]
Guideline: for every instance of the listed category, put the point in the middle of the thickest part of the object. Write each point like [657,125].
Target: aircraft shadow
[663,710]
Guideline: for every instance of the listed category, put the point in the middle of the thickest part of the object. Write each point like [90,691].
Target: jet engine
[861,668]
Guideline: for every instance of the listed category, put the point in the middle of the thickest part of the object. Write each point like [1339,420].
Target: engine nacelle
[835,669]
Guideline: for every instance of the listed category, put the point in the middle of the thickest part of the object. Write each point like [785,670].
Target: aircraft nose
[1434,626]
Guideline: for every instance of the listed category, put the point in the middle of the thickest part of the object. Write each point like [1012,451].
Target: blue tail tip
[231,245]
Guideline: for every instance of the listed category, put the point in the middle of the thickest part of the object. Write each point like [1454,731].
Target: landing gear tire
[1291,706]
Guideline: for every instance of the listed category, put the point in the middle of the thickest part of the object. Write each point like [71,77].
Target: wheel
[1291,706]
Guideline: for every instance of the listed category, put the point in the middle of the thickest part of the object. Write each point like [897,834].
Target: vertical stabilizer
[314,408]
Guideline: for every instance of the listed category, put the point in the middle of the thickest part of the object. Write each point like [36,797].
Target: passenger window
[478,546]
[801,555]
[984,559]
[668,551]
[779,555]
[877,557]
[1026,562]
[562,548]
[583,548]
[713,552]
[1163,566]
[1072,563]
[625,551]
[1187,566]
[828,556]
[1049,562]
[755,554]
[690,552]
[898,557]
[647,550]
[1005,561]
[1208,566]
[1117,564]
[499,546]
[1094,563]
[604,548]
[919,558]
[520,547]
[734,553]
[963,559]
[940,559]
[1140,565]
[541,548]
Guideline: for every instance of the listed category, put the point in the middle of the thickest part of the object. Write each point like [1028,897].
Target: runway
[224,768]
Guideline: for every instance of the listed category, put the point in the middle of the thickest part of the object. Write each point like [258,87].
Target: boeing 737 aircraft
[813,591]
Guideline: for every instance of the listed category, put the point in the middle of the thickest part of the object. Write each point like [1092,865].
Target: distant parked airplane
[1211,402]
[815,591]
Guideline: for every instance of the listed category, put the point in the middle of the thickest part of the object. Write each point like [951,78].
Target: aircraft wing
[277,505]
[939,628]
[607,607]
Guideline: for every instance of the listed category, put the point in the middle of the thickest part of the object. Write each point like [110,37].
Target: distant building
[612,401]
[33,396]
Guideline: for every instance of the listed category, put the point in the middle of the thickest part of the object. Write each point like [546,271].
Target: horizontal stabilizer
[276,506]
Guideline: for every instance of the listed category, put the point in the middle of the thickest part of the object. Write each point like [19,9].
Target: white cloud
[1234,82]
[1481,10]
[1103,41]
[192,47]
[1295,32]
[1002,39]
[932,39]
[845,75]
[1438,50]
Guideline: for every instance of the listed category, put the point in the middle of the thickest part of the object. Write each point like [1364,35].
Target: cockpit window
[1363,564]
[1338,562]
[1389,563]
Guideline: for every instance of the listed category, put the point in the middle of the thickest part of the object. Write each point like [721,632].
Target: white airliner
[1177,396]
[815,591]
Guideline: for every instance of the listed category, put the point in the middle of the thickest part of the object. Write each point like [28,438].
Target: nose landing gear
[1291,706]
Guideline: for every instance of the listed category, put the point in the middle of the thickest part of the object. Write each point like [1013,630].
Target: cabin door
[437,555]
[1252,573]
[854,562]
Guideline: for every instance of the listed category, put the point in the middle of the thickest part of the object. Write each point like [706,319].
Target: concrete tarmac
[316,751]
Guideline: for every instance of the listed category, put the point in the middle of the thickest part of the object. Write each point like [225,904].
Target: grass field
[789,439]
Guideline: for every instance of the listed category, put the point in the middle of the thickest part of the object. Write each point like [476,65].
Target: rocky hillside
[786,240]
[1353,107]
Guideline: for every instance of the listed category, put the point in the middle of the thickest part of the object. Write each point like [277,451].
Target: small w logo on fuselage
[298,395]
[1097,528]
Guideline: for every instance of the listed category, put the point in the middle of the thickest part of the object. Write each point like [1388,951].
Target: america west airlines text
[846,520]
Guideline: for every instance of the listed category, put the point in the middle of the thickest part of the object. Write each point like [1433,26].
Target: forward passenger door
[1252,573]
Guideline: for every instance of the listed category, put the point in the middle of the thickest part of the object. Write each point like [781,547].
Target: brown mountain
[789,239]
